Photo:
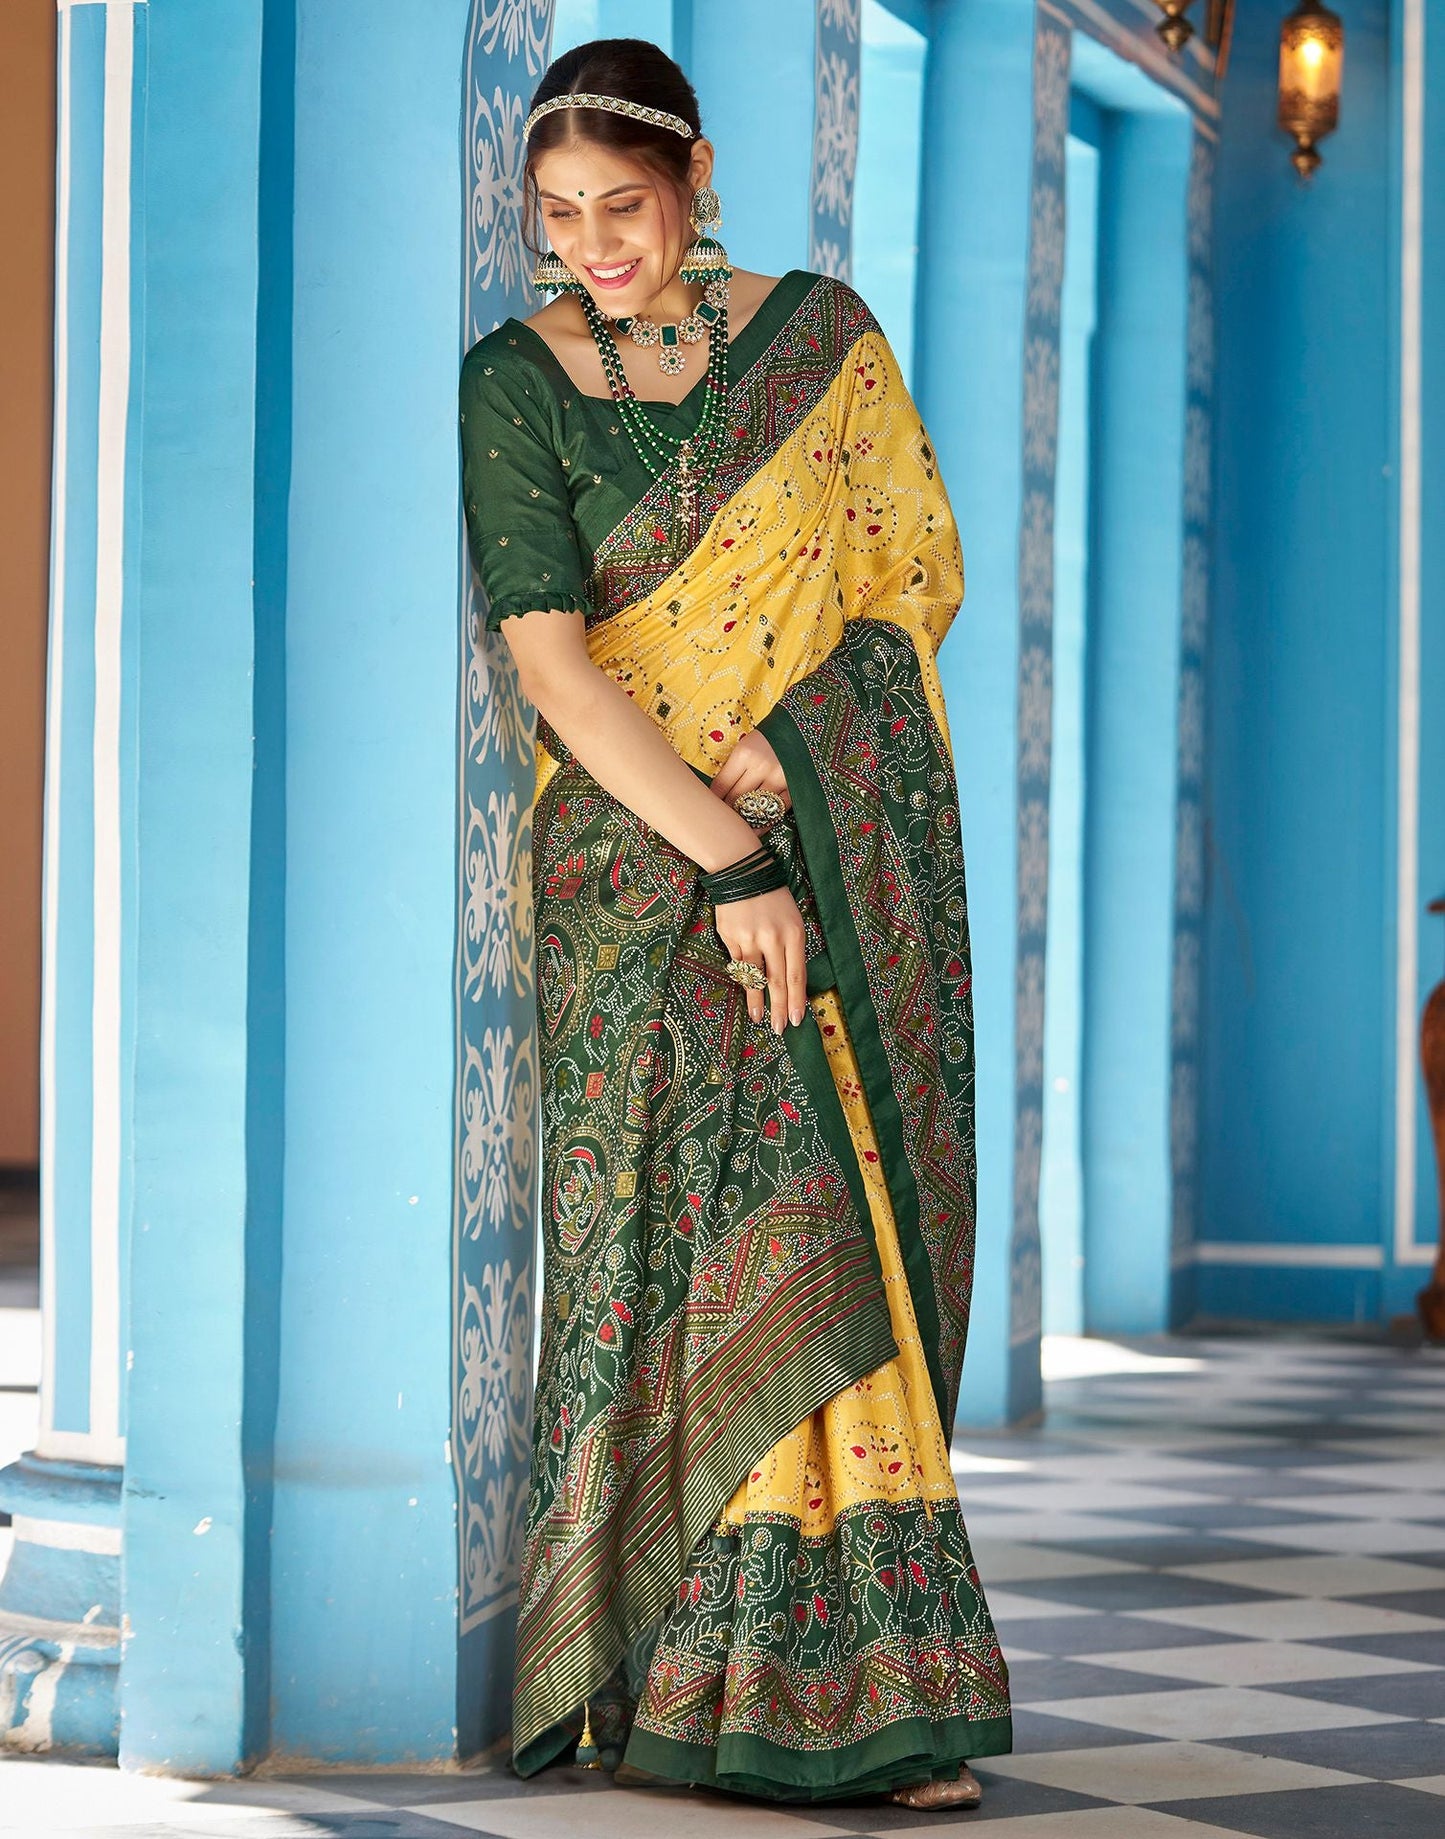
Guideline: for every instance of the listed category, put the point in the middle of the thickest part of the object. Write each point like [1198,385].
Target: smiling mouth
[617,275]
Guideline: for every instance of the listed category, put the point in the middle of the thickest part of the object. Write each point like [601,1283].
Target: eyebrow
[633,185]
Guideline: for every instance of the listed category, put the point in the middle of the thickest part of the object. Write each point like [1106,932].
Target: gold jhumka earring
[553,276]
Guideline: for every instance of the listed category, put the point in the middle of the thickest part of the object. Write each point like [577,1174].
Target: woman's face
[618,225]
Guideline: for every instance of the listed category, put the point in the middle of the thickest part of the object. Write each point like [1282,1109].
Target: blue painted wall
[889,174]
[1297,1108]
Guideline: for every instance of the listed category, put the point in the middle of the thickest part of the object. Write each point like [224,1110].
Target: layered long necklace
[679,459]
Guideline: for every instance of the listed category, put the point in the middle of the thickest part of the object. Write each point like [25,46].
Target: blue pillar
[60,1613]
[1132,716]
[331,1305]
[209,859]
[1300,947]
[752,64]
[652,19]
[885,209]
[974,258]
[363,1592]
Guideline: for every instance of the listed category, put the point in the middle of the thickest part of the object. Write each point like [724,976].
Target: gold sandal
[966,1791]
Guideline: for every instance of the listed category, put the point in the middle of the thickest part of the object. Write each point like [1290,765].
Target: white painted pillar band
[1407,772]
[54,727]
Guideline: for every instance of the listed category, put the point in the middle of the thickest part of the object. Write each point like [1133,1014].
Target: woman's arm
[524,544]
[620,745]
[629,756]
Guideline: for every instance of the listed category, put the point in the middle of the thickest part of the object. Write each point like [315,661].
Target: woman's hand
[751,766]
[767,929]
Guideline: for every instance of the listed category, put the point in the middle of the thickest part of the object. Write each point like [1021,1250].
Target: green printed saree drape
[746,1562]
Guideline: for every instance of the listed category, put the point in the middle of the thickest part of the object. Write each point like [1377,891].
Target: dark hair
[634,69]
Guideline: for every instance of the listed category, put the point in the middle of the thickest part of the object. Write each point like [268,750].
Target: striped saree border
[816,1351]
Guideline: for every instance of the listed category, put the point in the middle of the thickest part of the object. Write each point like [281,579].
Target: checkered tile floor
[1218,1569]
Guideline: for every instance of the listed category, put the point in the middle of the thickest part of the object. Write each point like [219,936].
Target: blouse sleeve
[520,532]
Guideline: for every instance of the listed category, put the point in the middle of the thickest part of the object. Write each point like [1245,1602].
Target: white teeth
[611,274]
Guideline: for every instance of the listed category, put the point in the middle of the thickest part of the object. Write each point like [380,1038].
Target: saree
[746,1563]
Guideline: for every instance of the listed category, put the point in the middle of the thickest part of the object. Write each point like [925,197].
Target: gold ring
[760,807]
[752,976]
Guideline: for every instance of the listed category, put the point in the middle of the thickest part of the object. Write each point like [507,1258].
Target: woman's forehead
[583,166]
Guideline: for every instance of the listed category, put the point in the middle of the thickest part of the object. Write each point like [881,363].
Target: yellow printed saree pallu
[746,1562]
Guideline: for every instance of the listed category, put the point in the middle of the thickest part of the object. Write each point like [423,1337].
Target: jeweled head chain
[616,105]
[706,263]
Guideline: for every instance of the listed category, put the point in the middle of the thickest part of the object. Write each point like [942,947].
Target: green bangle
[766,881]
[759,872]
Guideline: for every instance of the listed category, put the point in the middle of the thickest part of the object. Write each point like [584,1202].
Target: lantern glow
[1311,62]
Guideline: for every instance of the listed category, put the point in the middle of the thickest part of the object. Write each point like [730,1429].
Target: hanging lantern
[1175,28]
[1311,58]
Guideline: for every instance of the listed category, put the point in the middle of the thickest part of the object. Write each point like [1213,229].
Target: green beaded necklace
[681,456]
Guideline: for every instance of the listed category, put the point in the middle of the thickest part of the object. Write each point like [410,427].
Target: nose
[600,242]
[596,255]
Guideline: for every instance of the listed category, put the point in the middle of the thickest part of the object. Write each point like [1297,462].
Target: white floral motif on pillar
[496,1047]
[835,137]
[1189,866]
[1039,421]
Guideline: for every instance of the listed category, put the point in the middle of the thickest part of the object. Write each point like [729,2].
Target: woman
[711,529]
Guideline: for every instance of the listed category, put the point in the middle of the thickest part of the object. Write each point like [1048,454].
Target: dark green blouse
[549,472]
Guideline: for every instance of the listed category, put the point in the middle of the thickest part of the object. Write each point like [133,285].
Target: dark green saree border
[845,949]
[912,1750]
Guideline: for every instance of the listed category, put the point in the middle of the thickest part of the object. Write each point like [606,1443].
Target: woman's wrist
[758,873]
[732,846]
